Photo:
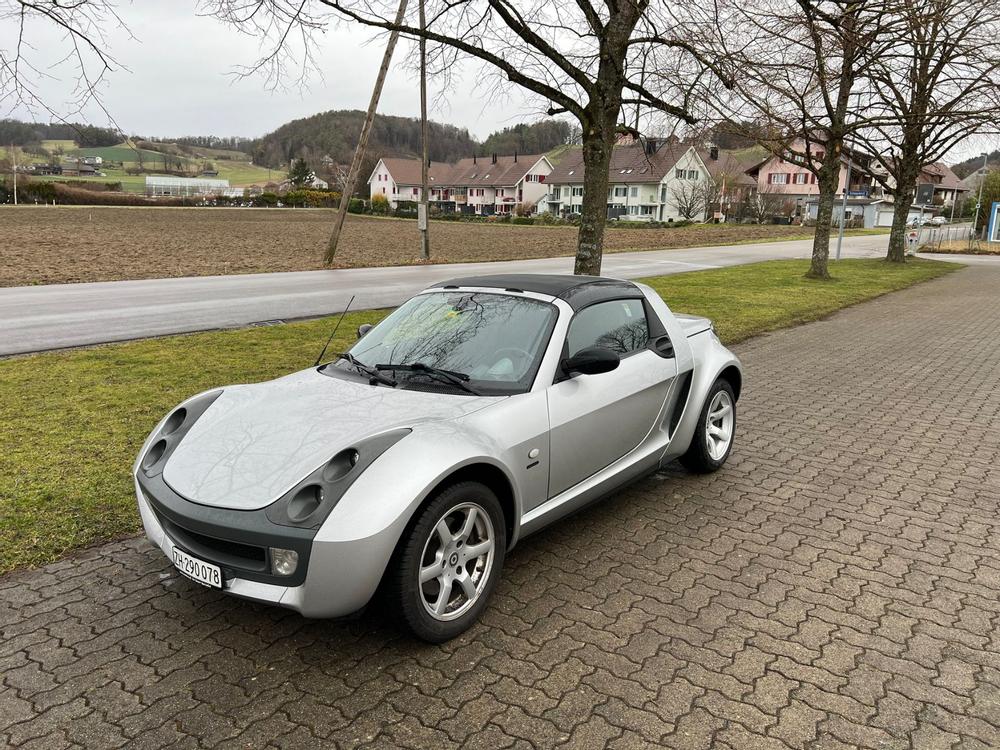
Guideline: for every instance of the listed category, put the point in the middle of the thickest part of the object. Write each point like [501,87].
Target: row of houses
[650,180]
[477,185]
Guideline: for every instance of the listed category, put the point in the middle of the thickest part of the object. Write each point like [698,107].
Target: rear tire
[715,431]
[448,562]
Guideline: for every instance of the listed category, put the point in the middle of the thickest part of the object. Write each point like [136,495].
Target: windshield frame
[419,381]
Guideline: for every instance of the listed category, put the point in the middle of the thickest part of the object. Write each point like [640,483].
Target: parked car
[938,221]
[478,412]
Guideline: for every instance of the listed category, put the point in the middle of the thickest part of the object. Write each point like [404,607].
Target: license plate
[197,570]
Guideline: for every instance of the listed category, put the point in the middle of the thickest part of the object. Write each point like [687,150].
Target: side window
[619,325]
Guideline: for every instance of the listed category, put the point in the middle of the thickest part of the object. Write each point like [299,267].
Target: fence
[954,237]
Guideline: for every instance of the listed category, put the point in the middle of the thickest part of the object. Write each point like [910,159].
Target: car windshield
[493,343]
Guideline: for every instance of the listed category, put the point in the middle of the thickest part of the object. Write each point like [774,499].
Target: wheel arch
[488,474]
[732,375]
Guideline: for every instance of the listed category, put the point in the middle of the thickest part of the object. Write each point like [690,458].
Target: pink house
[775,175]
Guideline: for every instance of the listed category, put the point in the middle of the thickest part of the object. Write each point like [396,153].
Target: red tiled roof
[629,163]
[481,170]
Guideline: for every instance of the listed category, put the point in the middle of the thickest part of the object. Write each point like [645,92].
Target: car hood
[255,442]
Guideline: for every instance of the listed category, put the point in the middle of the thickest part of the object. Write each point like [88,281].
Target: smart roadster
[476,413]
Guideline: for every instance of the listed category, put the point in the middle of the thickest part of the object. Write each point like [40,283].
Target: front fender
[710,359]
[353,546]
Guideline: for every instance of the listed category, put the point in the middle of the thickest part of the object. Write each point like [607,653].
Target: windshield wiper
[457,379]
[373,373]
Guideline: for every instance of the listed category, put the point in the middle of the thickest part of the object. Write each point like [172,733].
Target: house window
[633,209]
[577,192]
[555,193]
[800,178]
[692,174]
[679,174]
[635,192]
[620,192]
[778,178]
[414,191]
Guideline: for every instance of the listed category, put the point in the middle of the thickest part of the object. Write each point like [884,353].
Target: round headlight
[154,454]
[341,464]
[174,421]
[305,502]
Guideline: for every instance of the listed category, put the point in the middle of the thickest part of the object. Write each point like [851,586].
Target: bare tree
[597,62]
[83,48]
[689,198]
[800,62]
[764,204]
[939,85]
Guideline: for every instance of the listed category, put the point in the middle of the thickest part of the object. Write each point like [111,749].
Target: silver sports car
[479,411]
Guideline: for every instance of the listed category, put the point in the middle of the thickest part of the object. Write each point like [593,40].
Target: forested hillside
[335,134]
[17,133]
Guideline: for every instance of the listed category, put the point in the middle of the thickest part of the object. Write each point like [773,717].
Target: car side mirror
[364,328]
[591,361]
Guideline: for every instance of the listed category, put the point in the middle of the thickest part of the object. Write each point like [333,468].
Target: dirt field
[47,245]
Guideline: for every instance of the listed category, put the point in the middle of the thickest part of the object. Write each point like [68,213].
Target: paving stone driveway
[836,586]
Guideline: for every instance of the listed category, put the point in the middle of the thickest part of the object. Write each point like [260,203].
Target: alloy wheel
[456,561]
[719,425]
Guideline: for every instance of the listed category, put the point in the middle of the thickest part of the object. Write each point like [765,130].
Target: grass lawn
[74,421]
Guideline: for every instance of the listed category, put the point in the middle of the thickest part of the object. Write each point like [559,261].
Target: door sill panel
[643,460]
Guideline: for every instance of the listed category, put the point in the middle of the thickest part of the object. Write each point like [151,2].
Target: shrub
[379,204]
[357,206]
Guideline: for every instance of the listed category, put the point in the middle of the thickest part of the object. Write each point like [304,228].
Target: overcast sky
[177,80]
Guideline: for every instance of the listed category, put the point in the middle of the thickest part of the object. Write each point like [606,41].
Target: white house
[647,181]
[478,185]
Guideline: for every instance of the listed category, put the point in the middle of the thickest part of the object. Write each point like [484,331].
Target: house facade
[482,185]
[778,176]
[647,181]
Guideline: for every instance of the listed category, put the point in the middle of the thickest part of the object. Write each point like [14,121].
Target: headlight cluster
[162,442]
[309,502]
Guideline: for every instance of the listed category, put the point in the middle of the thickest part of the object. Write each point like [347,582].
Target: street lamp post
[843,204]
[979,200]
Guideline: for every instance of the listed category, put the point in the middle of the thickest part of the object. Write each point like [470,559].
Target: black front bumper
[238,541]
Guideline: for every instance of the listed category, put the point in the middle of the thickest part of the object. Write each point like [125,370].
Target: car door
[596,419]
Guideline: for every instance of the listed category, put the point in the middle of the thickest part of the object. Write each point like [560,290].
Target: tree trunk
[597,145]
[828,179]
[900,219]
[366,129]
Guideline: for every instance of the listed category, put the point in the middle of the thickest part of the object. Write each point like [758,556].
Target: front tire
[716,429]
[449,562]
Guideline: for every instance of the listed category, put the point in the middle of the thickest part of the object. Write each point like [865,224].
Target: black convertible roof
[578,291]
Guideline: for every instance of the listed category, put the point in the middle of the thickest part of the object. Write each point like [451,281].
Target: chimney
[713,153]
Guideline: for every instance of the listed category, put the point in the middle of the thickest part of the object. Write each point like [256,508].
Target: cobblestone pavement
[835,586]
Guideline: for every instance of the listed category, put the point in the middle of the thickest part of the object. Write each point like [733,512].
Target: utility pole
[843,204]
[979,201]
[13,160]
[423,223]
[366,129]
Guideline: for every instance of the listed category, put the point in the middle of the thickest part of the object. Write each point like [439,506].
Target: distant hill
[535,138]
[335,134]
[964,168]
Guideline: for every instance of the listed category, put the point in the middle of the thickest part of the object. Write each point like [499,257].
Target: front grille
[220,551]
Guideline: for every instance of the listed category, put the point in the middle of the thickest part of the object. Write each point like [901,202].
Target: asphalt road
[39,318]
